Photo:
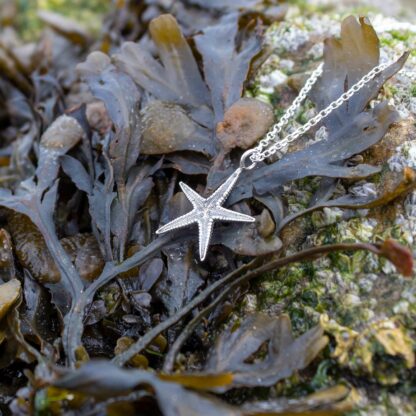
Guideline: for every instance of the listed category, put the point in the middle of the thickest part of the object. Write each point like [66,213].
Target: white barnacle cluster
[405,156]
[321,134]
[271,80]
[407,220]
[396,38]
[363,189]
[287,37]
[383,23]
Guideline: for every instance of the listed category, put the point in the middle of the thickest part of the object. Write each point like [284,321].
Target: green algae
[87,12]
[362,294]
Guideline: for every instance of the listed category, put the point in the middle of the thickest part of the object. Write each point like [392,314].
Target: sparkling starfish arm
[206,211]
[179,222]
[205,226]
[195,199]
[221,194]
[225,214]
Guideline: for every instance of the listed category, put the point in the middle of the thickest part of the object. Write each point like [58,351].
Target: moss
[358,290]
[401,35]
[310,298]
[387,42]
[279,111]
[363,296]
[390,90]
[87,12]
[377,178]
[322,377]
[413,90]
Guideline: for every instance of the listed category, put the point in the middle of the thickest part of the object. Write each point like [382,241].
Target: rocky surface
[366,308]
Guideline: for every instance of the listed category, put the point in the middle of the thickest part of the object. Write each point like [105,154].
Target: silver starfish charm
[206,211]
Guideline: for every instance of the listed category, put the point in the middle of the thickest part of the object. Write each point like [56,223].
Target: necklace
[207,210]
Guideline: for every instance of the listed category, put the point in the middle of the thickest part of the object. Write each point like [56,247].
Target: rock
[64,133]
[9,292]
[168,128]
[368,308]
[98,117]
[244,123]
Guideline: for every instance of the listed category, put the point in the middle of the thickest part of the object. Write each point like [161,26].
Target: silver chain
[265,148]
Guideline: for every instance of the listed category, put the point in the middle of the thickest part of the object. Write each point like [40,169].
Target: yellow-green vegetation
[362,351]
[365,307]
[86,12]
[357,307]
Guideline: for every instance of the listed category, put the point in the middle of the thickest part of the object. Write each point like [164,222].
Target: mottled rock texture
[366,308]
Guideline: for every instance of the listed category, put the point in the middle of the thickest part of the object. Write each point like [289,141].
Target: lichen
[362,351]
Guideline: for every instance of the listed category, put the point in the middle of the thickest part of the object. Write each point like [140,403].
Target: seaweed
[284,356]
[96,140]
[226,68]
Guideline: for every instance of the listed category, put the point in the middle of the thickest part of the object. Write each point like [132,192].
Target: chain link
[273,134]
[264,149]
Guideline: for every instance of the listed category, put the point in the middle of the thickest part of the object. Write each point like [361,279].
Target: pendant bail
[244,156]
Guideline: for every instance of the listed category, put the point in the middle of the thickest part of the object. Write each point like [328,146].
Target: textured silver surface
[206,211]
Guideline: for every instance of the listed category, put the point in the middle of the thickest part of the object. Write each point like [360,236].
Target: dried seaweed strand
[144,341]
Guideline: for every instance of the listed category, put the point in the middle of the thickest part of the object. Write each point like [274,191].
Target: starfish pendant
[206,211]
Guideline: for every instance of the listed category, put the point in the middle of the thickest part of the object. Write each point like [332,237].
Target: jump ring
[245,155]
